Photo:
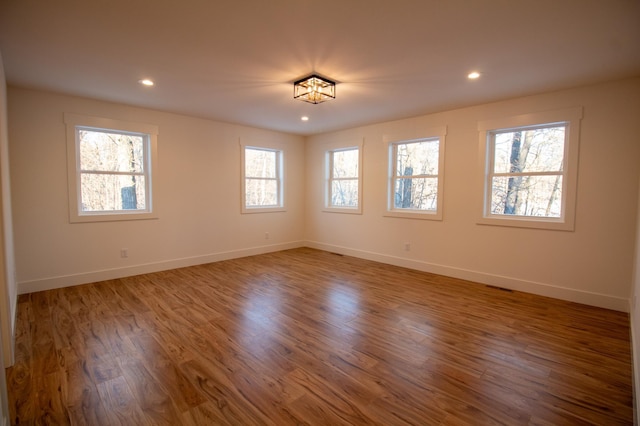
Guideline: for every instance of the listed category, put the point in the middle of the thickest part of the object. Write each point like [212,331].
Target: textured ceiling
[235,60]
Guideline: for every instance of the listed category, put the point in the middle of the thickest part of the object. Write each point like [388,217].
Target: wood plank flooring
[309,337]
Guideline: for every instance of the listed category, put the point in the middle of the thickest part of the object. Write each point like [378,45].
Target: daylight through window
[526,177]
[262,178]
[531,169]
[112,168]
[343,183]
[109,166]
[415,176]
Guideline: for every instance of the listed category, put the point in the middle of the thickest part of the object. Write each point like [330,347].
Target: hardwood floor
[309,337]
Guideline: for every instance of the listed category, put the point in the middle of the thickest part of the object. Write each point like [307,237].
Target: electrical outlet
[407,246]
[124,253]
[266,235]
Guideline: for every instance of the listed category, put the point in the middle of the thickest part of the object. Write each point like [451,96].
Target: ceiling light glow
[314,89]
[304,118]
[146,82]
[473,75]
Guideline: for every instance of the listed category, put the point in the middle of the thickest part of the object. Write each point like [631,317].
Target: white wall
[8,286]
[591,265]
[196,188]
[8,291]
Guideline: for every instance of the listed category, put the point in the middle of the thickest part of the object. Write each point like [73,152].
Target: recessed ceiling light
[473,75]
[304,118]
[146,82]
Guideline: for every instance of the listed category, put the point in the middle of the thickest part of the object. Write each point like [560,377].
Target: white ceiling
[235,60]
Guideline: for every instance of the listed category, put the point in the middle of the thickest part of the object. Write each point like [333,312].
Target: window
[416,177]
[344,179]
[530,170]
[262,179]
[109,169]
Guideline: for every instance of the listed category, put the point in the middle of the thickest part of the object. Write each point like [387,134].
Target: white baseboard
[110,274]
[541,289]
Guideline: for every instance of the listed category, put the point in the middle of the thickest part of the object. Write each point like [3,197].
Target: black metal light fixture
[314,89]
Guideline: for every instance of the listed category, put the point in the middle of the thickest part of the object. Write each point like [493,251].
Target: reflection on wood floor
[309,337]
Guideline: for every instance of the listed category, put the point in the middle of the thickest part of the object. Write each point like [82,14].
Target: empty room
[336,213]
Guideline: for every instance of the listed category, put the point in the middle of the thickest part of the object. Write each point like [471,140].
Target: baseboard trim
[32,286]
[541,289]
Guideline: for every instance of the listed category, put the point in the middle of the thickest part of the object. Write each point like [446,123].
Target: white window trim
[390,141]
[569,116]
[327,182]
[76,215]
[280,166]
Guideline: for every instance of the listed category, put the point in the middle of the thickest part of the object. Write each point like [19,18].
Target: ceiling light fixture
[146,82]
[473,75]
[304,118]
[314,89]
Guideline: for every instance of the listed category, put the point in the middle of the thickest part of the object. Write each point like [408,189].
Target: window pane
[344,193]
[261,192]
[539,196]
[417,158]
[259,163]
[345,164]
[111,152]
[416,193]
[106,192]
[526,151]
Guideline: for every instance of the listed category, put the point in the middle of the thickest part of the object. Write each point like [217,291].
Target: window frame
[76,122]
[392,141]
[329,153]
[280,179]
[569,117]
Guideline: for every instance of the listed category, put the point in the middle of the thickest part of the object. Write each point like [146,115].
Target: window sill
[345,210]
[414,214]
[111,217]
[527,222]
[251,210]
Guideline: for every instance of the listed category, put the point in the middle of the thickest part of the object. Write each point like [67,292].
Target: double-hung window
[416,170]
[262,179]
[344,180]
[109,169]
[530,170]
